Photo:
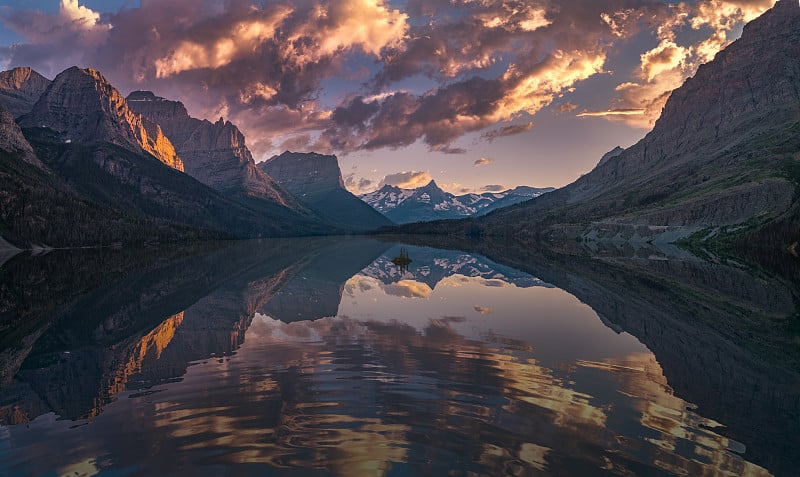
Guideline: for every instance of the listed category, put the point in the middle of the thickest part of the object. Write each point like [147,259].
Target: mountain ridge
[430,202]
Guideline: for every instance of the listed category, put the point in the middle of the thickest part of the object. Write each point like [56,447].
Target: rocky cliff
[304,173]
[213,153]
[12,141]
[20,88]
[316,180]
[83,107]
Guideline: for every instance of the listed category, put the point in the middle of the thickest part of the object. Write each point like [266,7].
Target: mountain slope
[432,203]
[720,155]
[213,153]
[316,180]
[38,208]
[20,88]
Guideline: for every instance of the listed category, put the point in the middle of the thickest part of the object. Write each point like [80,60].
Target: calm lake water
[322,357]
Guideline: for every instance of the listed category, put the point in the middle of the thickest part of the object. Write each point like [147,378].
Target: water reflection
[323,357]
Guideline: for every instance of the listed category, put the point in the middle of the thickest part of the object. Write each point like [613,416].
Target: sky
[480,95]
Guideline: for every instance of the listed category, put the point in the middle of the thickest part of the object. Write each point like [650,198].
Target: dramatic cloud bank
[350,75]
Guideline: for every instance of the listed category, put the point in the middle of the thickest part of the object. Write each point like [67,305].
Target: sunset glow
[391,86]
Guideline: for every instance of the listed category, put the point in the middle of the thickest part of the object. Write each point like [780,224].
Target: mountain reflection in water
[322,357]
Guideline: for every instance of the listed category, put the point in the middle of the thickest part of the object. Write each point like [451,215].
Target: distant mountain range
[430,202]
[721,162]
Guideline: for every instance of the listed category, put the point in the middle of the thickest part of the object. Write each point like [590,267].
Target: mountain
[386,198]
[317,181]
[489,201]
[20,88]
[83,107]
[213,153]
[37,207]
[107,166]
[722,156]
[432,203]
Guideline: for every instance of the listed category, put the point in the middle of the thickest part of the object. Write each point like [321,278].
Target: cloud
[564,108]
[612,112]
[455,188]
[483,310]
[494,188]
[72,22]
[297,143]
[407,179]
[507,131]
[54,41]
[484,161]
[408,289]
[264,65]
[358,185]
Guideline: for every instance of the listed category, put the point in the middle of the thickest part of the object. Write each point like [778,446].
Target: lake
[321,356]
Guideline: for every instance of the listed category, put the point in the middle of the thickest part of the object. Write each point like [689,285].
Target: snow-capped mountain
[432,203]
[386,198]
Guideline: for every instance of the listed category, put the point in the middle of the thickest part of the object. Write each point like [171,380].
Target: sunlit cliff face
[351,76]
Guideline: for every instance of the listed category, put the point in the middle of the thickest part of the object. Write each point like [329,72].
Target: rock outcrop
[83,107]
[20,88]
[316,180]
[213,153]
[305,173]
[12,141]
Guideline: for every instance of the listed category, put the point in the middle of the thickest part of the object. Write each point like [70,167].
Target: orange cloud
[612,112]
[241,39]
[407,179]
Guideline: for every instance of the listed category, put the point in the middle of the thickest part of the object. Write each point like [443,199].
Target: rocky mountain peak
[84,107]
[23,79]
[301,173]
[213,153]
[432,185]
[20,88]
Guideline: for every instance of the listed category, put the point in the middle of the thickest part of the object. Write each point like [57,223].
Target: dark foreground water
[322,357]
